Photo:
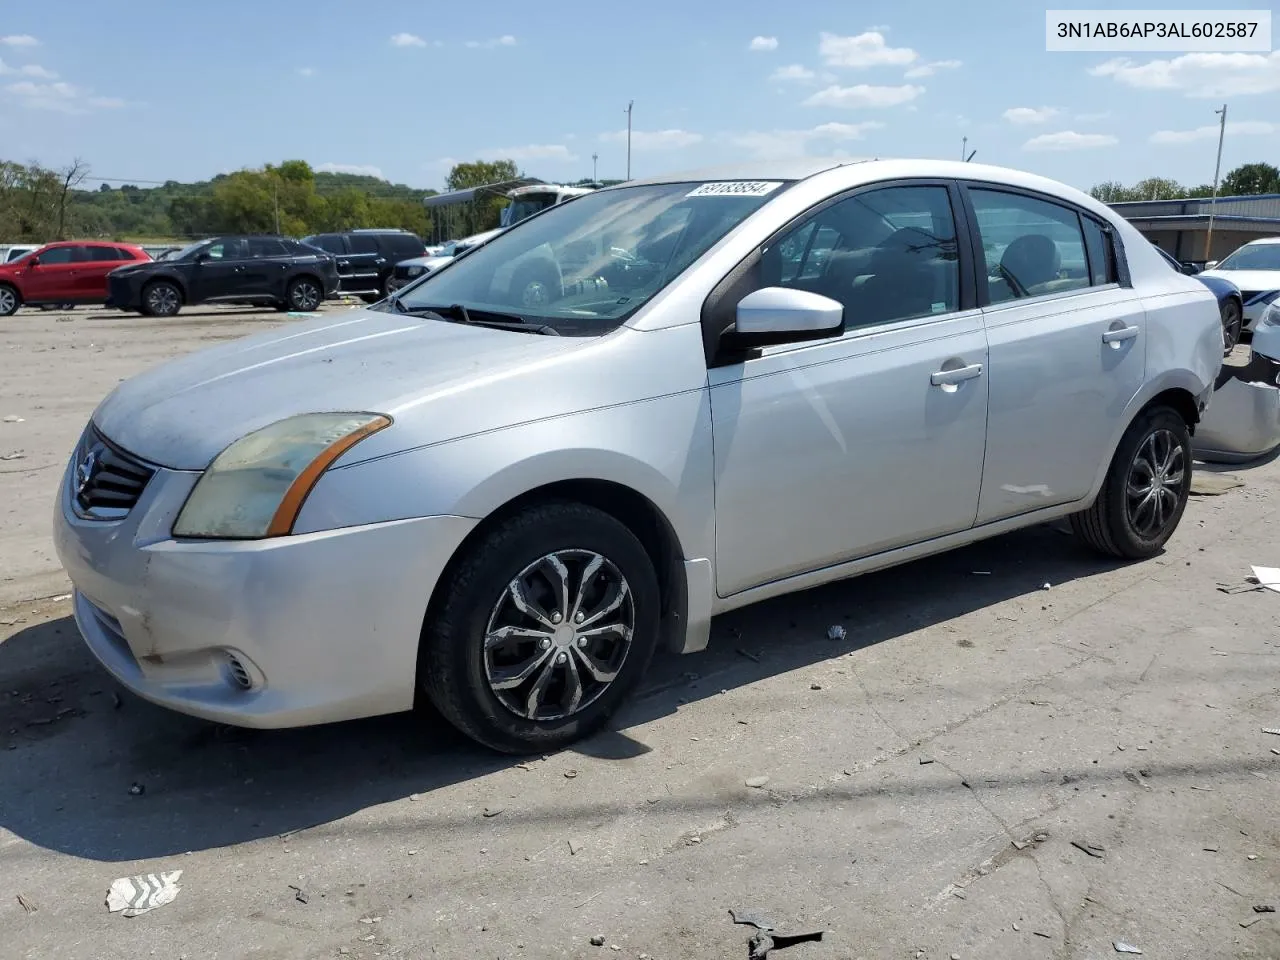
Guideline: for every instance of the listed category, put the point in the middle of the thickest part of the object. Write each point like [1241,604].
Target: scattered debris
[757,782]
[573,848]
[1212,849]
[1046,586]
[1092,849]
[16,455]
[836,632]
[815,686]
[1274,731]
[759,946]
[493,811]
[1252,856]
[1037,933]
[1122,947]
[31,908]
[751,918]
[299,894]
[597,941]
[570,774]
[13,419]
[1250,922]
[370,919]
[137,790]
[1264,908]
[750,656]
[925,761]
[134,896]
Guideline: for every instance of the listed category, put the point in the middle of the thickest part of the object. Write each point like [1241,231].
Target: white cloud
[929,69]
[407,40]
[60,97]
[878,28]
[864,95]
[20,40]
[531,151]
[106,103]
[30,70]
[763,43]
[1023,115]
[1069,140]
[787,144]
[1199,75]
[506,40]
[306,71]
[654,139]
[363,170]
[1248,128]
[793,72]
[865,50]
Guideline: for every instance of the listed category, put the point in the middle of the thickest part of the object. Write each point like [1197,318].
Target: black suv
[273,270]
[366,258]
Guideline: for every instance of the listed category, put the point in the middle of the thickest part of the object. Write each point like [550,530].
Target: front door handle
[1122,334]
[946,378]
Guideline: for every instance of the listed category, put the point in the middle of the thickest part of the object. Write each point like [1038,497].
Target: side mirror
[1210,264]
[202,258]
[1190,269]
[33,261]
[775,315]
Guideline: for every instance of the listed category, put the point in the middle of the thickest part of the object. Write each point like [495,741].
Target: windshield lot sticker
[736,188]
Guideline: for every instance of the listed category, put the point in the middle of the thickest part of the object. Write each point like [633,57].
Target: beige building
[1181,227]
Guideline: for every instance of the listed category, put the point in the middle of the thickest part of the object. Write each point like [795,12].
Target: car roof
[1261,241]
[799,168]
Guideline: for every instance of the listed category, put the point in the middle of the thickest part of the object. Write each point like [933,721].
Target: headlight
[1271,316]
[256,487]
[415,271]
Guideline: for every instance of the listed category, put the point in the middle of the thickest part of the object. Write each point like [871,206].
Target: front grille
[106,482]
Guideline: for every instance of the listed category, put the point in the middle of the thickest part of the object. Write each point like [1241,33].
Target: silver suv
[739,385]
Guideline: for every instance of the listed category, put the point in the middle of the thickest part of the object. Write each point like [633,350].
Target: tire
[304,294]
[476,600]
[160,298]
[10,300]
[1121,523]
[1232,325]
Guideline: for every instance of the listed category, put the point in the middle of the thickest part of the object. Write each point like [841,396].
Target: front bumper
[283,632]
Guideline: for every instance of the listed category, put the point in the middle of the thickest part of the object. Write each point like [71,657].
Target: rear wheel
[10,300]
[1146,489]
[304,295]
[542,630]
[161,299]
[1232,324]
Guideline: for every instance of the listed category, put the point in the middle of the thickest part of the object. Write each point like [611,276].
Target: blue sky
[404,89]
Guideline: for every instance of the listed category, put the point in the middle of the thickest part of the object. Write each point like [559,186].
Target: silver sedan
[511,482]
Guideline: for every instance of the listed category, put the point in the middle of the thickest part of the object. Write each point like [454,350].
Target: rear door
[366,264]
[1067,340]
[336,245]
[266,267]
[91,279]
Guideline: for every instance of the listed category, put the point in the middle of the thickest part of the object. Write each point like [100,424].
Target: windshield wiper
[458,313]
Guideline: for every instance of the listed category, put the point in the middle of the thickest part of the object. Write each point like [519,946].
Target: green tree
[1111,191]
[1251,179]
[480,173]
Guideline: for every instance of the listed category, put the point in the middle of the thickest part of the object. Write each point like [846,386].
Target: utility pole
[595,178]
[630,104]
[1217,168]
[964,147]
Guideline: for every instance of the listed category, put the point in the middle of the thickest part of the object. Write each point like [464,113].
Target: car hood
[1247,279]
[183,413]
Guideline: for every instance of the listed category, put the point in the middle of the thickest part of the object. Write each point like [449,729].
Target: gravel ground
[982,767]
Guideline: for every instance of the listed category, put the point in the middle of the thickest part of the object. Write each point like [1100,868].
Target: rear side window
[100,254]
[263,247]
[1033,247]
[1102,254]
[363,243]
[328,242]
[405,246]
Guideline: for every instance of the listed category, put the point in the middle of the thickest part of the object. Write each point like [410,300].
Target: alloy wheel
[305,296]
[1232,322]
[1155,484]
[558,635]
[8,302]
[163,300]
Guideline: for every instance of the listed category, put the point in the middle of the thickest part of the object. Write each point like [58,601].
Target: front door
[222,273]
[53,279]
[1068,349]
[845,448]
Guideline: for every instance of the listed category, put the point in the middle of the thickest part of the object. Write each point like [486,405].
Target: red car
[68,272]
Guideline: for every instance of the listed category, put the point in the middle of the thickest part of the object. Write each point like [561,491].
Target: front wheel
[10,300]
[542,630]
[1145,491]
[304,295]
[161,299]
[1232,325]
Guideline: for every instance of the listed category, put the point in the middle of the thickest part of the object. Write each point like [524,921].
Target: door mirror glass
[33,261]
[1209,265]
[783,315]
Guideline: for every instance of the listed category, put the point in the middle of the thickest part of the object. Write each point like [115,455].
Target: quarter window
[1102,257]
[363,243]
[264,247]
[1032,247]
[887,255]
[99,254]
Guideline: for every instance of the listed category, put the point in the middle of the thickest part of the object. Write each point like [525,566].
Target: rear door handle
[944,378]
[1122,334]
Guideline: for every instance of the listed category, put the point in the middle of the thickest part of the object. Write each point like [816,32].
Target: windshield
[187,251]
[584,267]
[528,205]
[1262,256]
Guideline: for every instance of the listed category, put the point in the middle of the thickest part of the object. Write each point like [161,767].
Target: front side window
[887,255]
[584,267]
[1254,256]
[1032,247]
[57,255]
[100,254]
[230,249]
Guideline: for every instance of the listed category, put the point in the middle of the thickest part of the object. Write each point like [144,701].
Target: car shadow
[92,771]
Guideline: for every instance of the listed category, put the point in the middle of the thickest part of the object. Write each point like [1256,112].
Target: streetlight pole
[1217,168]
[595,177]
[964,147]
[630,104]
